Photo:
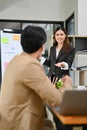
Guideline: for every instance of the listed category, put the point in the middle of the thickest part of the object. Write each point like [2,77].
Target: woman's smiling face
[60,36]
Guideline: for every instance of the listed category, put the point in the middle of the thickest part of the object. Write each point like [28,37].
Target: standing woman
[60,59]
[61,55]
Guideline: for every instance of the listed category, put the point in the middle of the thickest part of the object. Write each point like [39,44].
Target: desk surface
[67,120]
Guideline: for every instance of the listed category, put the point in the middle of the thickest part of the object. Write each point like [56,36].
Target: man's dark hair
[32,38]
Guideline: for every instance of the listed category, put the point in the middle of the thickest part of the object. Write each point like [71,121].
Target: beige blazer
[24,90]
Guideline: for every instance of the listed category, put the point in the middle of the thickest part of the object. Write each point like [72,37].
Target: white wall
[70,7]
[79,7]
[35,10]
[82,17]
[48,10]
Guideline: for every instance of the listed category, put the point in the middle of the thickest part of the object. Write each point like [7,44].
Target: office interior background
[49,14]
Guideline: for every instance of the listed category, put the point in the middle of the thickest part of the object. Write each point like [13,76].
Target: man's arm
[36,79]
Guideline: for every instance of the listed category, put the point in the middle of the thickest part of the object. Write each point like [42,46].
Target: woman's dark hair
[66,45]
[32,38]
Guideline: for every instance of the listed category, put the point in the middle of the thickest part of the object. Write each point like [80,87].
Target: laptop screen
[74,102]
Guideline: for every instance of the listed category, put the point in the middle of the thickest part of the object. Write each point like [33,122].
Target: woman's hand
[60,64]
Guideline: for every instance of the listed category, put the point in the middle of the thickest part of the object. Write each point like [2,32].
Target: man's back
[19,103]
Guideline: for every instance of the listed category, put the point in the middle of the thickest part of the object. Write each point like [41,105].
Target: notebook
[74,102]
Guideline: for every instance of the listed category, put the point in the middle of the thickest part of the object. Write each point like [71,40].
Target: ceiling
[4,4]
[7,3]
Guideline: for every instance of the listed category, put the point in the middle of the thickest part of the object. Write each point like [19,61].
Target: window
[70,25]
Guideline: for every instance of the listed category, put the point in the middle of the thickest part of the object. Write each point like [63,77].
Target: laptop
[74,102]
